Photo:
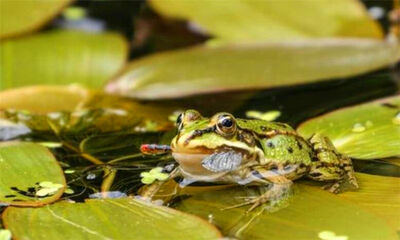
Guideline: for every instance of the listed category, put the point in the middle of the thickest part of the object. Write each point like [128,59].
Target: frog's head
[199,137]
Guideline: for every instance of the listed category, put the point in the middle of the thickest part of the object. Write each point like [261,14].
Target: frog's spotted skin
[225,149]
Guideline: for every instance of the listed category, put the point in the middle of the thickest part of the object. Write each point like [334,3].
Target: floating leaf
[239,67]
[244,21]
[310,212]
[152,175]
[43,108]
[379,195]
[43,99]
[123,218]
[23,167]
[61,57]
[18,17]
[379,138]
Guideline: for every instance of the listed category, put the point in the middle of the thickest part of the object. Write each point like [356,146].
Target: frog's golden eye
[226,124]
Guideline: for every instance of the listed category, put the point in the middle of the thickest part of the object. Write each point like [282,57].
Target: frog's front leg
[329,165]
[278,189]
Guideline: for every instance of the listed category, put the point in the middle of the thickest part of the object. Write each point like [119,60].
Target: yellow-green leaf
[123,219]
[23,167]
[365,131]
[379,195]
[18,17]
[43,99]
[309,214]
[61,57]
[238,67]
[255,20]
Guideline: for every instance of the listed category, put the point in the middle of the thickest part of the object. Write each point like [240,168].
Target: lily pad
[123,218]
[77,110]
[239,67]
[310,214]
[24,168]
[43,99]
[365,131]
[61,57]
[18,17]
[243,21]
[379,195]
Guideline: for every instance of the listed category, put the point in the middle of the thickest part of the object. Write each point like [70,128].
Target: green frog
[226,149]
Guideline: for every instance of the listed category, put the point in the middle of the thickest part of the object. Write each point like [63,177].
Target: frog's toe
[334,187]
[341,185]
[273,196]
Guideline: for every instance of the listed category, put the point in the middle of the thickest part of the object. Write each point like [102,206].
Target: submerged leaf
[61,57]
[18,17]
[123,218]
[365,131]
[250,20]
[23,167]
[240,67]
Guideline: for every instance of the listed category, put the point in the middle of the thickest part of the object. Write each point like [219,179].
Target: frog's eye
[226,124]
[179,121]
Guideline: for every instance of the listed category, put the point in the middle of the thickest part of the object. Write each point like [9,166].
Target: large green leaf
[61,57]
[106,219]
[379,195]
[27,170]
[310,213]
[249,20]
[17,17]
[367,131]
[237,67]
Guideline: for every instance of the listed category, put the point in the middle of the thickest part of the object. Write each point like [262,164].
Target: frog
[225,149]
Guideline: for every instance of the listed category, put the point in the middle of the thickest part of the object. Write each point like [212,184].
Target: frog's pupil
[227,122]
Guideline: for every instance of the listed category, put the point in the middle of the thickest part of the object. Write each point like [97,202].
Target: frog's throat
[191,163]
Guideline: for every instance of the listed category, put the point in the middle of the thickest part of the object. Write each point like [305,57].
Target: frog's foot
[347,182]
[274,196]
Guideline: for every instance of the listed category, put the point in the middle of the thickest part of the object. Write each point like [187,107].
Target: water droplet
[358,127]
[329,235]
[396,119]
[369,124]
[210,218]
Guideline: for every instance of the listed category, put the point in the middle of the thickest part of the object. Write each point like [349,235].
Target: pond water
[306,212]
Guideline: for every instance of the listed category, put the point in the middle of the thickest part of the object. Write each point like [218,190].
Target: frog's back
[263,128]
[283,148]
